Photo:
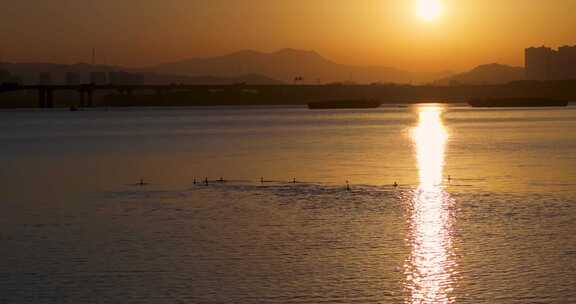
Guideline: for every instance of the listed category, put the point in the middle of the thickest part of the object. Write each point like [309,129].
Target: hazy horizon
[375,33]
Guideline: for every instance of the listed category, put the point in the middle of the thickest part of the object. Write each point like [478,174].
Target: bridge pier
[49,98]
[45,97]
[41,98]
[86,98]
[90,98]
[82,98]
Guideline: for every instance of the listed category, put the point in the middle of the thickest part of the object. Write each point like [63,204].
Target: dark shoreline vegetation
[250,95]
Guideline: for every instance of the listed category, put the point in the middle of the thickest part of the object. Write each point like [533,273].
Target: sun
[429,10]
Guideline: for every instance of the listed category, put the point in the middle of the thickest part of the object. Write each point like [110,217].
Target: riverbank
[246,95]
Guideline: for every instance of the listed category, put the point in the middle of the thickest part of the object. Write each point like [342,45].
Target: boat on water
[517,102]
[345,104]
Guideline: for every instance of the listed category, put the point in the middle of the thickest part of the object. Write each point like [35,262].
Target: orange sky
[366,32]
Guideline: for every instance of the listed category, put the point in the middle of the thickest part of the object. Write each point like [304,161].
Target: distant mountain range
[287,66]
[486,74]
[291,65]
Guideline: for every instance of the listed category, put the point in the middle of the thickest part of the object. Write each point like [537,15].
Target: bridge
[86,91]
[301,92]
[280,94]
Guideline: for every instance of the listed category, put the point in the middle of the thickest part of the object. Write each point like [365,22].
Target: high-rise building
[538,63]
[544,63]
[566,62]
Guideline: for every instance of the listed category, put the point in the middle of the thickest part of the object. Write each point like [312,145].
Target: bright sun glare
[429,10]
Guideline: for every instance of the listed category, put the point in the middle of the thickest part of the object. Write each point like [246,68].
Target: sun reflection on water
[430,266]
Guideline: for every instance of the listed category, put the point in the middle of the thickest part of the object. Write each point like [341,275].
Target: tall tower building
[566,62]
[539,63]
[544,63]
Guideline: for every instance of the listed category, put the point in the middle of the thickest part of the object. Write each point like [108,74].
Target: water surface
[484,211]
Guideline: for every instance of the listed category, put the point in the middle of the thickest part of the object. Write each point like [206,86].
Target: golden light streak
[429,269]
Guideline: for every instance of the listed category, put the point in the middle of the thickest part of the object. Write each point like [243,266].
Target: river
[101,206]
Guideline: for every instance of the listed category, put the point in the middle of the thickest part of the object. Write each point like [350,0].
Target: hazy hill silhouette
[287,65]
[486,74]
[252,79]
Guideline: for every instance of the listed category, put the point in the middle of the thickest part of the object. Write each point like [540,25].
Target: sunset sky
[462,34]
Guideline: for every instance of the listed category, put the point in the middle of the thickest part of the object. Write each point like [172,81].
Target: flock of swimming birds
[221,180]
